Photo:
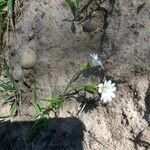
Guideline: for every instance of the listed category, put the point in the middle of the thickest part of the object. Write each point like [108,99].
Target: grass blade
[90,87]
[36,102]
[14,110]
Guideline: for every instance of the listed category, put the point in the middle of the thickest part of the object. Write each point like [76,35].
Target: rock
[28,59]
[18,74]
[89,26]
[146,135]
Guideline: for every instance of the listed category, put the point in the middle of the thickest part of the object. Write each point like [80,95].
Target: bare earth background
[124,48]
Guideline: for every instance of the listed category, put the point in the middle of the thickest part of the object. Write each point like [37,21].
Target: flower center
[104,88]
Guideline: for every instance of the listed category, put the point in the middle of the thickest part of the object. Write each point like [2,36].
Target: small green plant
[56,101]
[11,16]
[36,102]
[74,6]
[53,104]
[12,93]
[89,87]
[3,3]
[42,114]
[86,70]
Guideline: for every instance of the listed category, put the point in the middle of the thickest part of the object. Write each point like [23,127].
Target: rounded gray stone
[28,59]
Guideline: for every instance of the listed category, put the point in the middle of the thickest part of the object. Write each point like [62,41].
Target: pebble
[89,26]
[28,59]
[18,74]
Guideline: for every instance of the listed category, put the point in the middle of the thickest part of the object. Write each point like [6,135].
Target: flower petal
[113,85]
[95,57]
[100,85]
[105,82]
[114,89]
[112,95]
[96,61]
[109,99]
[99,90]
[109,83]
[92,55]
[104,98]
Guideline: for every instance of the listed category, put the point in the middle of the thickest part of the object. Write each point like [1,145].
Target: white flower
[96,61]
[107,90]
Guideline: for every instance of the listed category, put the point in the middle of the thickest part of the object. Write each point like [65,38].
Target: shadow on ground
[52,134]
[147,105]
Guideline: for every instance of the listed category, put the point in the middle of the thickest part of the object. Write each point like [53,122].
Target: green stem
[74,78]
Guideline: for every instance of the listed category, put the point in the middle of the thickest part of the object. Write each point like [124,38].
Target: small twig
[82,108]
[74,78]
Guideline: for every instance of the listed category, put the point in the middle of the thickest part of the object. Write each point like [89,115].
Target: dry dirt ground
[122,40]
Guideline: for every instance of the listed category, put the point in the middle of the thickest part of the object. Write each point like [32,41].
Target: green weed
[42,114]
[89,87]
[36,102]
[12,93]
[54,103]
[3,3]
[74,6]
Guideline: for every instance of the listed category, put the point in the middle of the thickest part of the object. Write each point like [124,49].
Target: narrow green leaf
[6,86]
[54,104]
[3,3]
[74,6]
[86,67]
[36,102]
[90,87]
[13,109]
[8,73]
[55,93]
[10,5]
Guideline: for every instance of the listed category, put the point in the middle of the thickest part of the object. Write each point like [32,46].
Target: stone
[28,59]
[18,74]
[89,26]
